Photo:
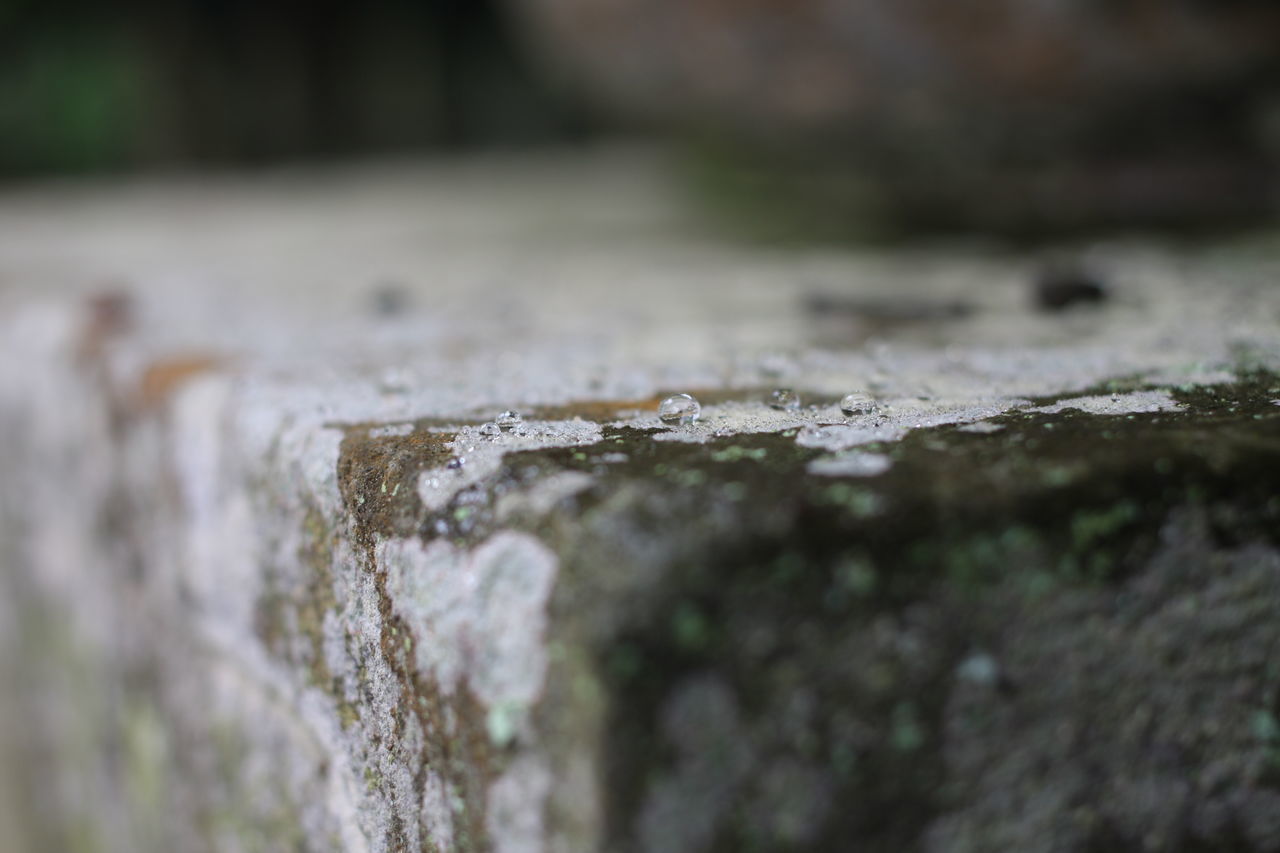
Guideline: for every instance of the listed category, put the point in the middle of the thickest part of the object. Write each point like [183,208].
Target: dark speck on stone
[389,298]
[1060,286]
[885,309]
[111,311]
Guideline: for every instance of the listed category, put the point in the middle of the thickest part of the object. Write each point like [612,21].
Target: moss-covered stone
[825,619]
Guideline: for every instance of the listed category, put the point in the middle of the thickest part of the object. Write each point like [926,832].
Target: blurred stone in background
[1012,116]
[84,87]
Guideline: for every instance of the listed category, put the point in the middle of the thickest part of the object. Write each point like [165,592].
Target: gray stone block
[271,585]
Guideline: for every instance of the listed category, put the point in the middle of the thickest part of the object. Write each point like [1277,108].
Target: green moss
[1265,727]
[377,474]
[861,501]
[736,453]
[906,733]
[1062,476]
[690,627]
[802,561]
[82,835]
[146,757]
[260,817]
[289,607]
[500,723]
[1090,528]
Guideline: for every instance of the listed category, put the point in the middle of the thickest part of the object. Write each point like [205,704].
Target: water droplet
[785,400]
[509,421]
[490,429]
[857,403]
[457,462]
[679,409]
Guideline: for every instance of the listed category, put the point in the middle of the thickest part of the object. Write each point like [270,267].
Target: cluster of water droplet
[681,409]
[507,422]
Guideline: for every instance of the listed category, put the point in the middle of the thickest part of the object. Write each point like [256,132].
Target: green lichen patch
[456,746]
[377,476]
[289,613]
[443,737]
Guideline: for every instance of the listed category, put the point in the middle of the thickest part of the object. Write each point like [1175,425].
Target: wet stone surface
[798,670]
[297,580]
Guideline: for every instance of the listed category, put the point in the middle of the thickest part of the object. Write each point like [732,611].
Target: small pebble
[389,298]
[1060,286]
[111,312]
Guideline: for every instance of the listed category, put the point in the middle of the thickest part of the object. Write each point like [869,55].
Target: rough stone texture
[269,585]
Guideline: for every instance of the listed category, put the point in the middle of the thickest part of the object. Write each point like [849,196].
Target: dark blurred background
[812,117]
[88,86]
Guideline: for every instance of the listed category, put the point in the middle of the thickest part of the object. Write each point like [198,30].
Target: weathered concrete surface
[268,585]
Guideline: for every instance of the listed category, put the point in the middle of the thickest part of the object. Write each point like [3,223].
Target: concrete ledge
[270,583]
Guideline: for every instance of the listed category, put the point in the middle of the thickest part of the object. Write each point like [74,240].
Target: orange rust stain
[162,378]
[592,410]
[610,410]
